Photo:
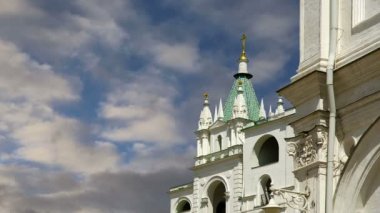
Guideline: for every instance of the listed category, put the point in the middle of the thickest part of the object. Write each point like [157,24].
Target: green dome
[249,96]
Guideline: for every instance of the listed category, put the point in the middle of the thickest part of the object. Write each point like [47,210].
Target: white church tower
[226,162]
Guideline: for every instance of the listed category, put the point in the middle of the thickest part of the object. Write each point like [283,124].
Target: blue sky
[100,99]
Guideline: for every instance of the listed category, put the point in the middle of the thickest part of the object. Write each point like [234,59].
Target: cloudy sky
[99,99]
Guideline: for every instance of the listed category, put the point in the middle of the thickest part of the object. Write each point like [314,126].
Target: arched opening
[219,141]
[217,196]
[183,206]
[263,190]
[268,152]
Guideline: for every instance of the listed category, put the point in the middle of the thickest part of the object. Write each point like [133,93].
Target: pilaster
[238,187]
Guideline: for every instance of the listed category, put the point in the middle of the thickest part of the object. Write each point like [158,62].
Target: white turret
[205,119]
[270,113]
[220,112]
[280,106]
[215,113]
[240,106]
[262,114]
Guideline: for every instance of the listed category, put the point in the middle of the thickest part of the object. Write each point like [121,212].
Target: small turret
[270,113]
[263,114]
[240,106]
[220,112]
[280,106]
[215,114]
[205,119]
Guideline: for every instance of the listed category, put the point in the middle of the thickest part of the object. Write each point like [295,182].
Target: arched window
[266,151]
[219,141]
[183,206]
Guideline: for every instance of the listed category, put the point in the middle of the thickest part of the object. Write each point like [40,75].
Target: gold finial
[243,56]
[205,95]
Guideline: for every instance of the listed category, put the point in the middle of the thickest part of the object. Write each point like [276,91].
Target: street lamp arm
[295,200]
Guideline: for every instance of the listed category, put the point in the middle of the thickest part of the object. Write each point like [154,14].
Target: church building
[321,155]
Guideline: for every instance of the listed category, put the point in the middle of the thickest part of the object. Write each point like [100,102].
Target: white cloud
[142,110]
[28,90]
[180,57]
[61,32]
[23,78]
[58,142]
[15,7]
[268,64]
[150,159]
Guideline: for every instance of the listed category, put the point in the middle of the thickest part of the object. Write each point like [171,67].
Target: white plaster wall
[230,171]
[281,171]
[222,131]
[314,36]
[178,196]
[357,39]
[372,8]
[310,24]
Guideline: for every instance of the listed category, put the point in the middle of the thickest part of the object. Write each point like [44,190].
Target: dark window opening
[184,206]
[269,152]
[220,142]
[265,197]
[221,207]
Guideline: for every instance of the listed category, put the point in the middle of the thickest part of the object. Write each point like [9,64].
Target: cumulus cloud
[23,78]
[180,57]
[16,7]
[142,110]
[272,30]
[66,32]
[103,192]
[150,159]
[28,90]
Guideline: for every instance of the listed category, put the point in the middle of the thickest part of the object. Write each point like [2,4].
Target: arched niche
[183,206]
[359,187]
[263,190]
[266,151]
[217,196]
[216,192]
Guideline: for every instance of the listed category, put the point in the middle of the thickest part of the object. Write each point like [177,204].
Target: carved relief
[308,147]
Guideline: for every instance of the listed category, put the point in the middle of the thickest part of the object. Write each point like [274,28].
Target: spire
[220,112]
[252,105]
[270,113]
[240,106]
[263,114]
[215,113]
[243,60]
[280,106]
[205,119]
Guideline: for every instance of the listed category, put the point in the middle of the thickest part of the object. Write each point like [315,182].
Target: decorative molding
[204,200]
[308,147]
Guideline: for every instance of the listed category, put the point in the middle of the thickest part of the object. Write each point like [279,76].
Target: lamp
[272,206]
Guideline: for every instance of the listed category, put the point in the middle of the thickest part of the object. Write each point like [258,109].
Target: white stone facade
[244,163]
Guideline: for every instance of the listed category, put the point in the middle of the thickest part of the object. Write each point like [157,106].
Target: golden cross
[205,95]
[243,40]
